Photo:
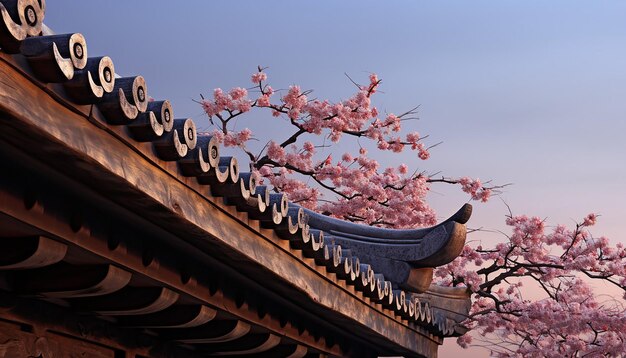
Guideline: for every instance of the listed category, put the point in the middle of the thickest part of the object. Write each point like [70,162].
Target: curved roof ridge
[378,234]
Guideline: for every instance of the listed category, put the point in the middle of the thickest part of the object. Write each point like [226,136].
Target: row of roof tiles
[124,101]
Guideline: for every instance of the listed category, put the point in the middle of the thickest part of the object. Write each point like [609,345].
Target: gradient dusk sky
[525,92]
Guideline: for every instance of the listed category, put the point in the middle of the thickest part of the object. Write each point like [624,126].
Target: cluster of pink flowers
[365,194]
[235,100]
[258,77]
[235,139]
[295,100]
[475,188]
[590,220]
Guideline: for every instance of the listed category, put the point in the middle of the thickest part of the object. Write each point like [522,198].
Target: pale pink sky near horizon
[530,93]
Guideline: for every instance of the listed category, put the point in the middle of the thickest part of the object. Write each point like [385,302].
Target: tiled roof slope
[390,269]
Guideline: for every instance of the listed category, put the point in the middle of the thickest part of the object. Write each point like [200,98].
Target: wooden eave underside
[75,144]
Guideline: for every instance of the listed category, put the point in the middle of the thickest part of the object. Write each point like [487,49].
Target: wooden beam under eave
[20,253]
[78,281]
[52,223]
[33,328]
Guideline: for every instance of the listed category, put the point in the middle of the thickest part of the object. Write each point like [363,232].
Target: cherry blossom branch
[570,320]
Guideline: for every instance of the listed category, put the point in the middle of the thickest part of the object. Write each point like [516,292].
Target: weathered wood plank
[247,345]
[77,281]
[212,332]
[129,301]
[30,252]
[174,317]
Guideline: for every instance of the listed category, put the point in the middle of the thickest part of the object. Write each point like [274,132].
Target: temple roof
[70,126]
[404,257]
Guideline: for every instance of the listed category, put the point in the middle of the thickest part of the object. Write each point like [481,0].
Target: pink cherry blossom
[263,101]
[276,153]
[423,154]
[238,93]
[258,77]
[590,219]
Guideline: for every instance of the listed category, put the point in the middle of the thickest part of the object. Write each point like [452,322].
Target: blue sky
[530,93]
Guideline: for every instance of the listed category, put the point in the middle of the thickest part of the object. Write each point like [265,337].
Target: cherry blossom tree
[568,319]
[354,186]
[571,319]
